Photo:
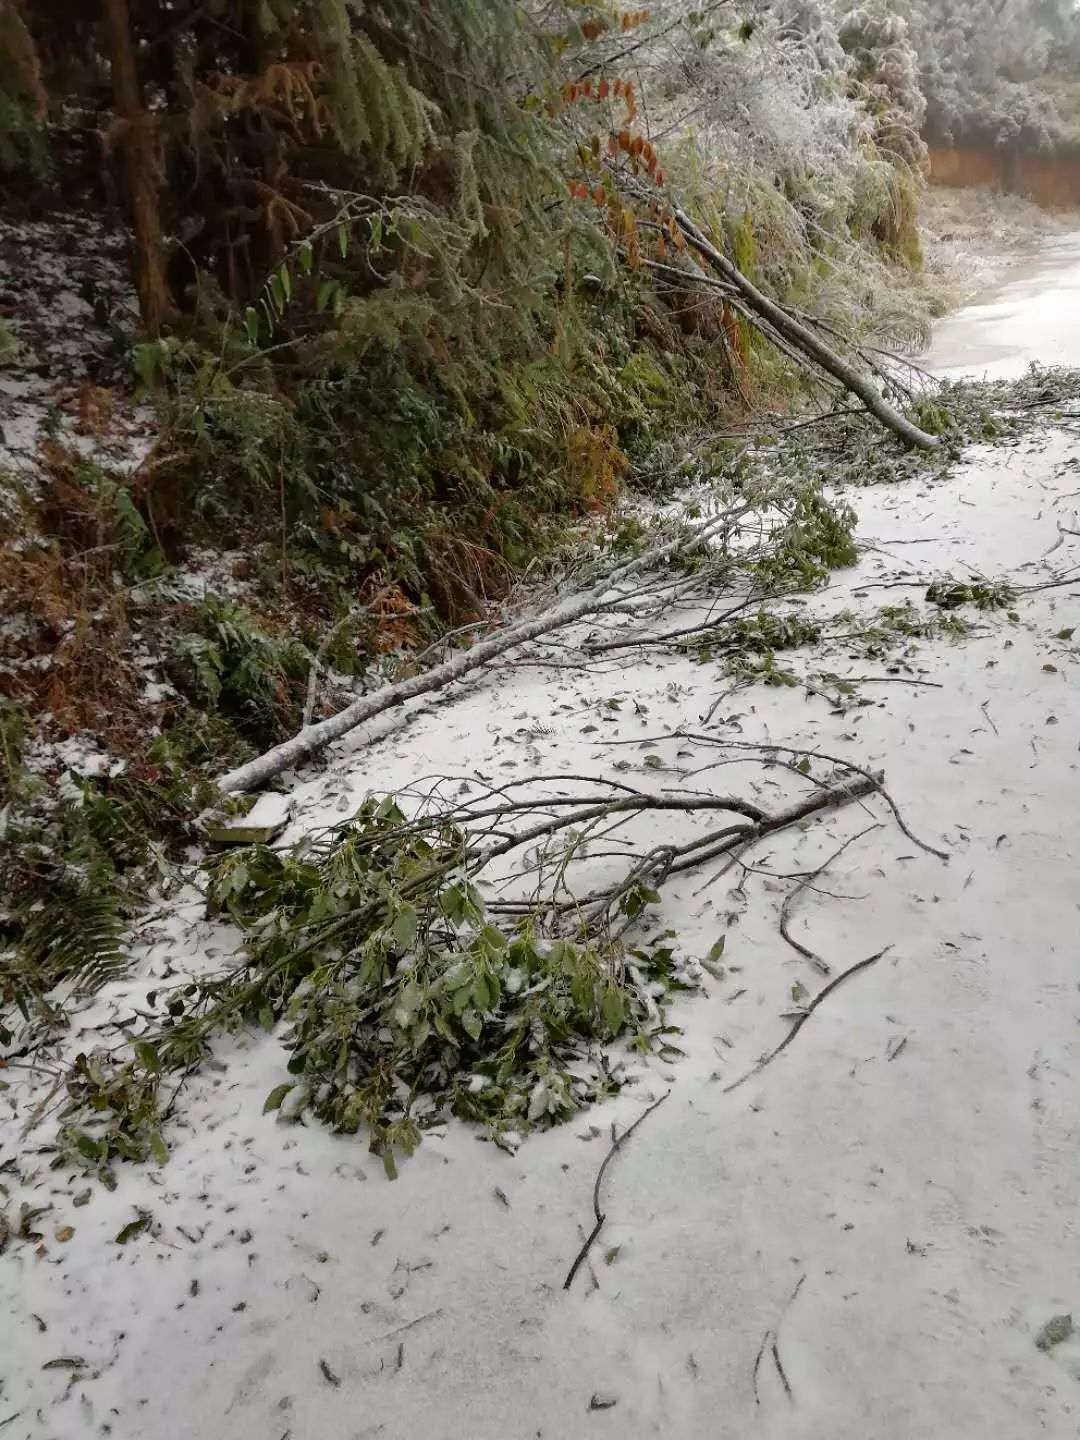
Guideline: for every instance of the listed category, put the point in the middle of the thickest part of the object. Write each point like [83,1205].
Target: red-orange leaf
[602,90]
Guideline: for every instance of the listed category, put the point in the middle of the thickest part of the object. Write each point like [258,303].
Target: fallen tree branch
[803,339]
[665,860]
[877,780]
[599,597]
[600,1216]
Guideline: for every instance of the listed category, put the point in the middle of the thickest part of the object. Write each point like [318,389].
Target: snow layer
[892,1204]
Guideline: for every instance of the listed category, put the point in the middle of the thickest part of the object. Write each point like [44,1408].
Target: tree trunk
[140,167]
[804,339]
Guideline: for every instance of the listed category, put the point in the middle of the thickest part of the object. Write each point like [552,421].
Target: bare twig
[757,1364]
[876,780]
[793,895]
[780,1369]
[801,1020]
[600,1216]
[316,667]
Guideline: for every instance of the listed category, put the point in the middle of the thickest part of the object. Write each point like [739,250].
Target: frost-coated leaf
[276,1096]
[134,1227]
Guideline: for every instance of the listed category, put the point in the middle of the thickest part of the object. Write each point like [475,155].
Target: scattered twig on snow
[600,1216]
[890,680]
[757,1364]
[793,895]
[780,1369]
[800,1020]
[410,1325]
[985,708]
[773,1335]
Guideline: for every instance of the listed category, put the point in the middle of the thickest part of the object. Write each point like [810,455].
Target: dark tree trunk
[140,167]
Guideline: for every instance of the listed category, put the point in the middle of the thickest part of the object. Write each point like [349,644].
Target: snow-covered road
[860,1243]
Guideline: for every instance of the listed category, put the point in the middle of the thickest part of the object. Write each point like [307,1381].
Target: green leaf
[147,1057]
[388,1163]
[343,241]
[149,359]
[653,762]
[1066,634]
[472,1024]
[613,1008]
[276,1096]
[90,1148]
[803,765]
[277,292]
[716,950]
[251,324]
[306,257]
[286,281]
[404,927]
[134,1227]
[158,1149]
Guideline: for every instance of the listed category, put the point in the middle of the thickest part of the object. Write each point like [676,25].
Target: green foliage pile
[399,998]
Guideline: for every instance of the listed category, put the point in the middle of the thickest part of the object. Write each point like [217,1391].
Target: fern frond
[73,934]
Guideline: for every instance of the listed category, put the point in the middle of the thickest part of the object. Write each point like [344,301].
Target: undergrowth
[76,862]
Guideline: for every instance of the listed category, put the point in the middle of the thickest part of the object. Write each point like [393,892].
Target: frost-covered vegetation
[1003,74]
